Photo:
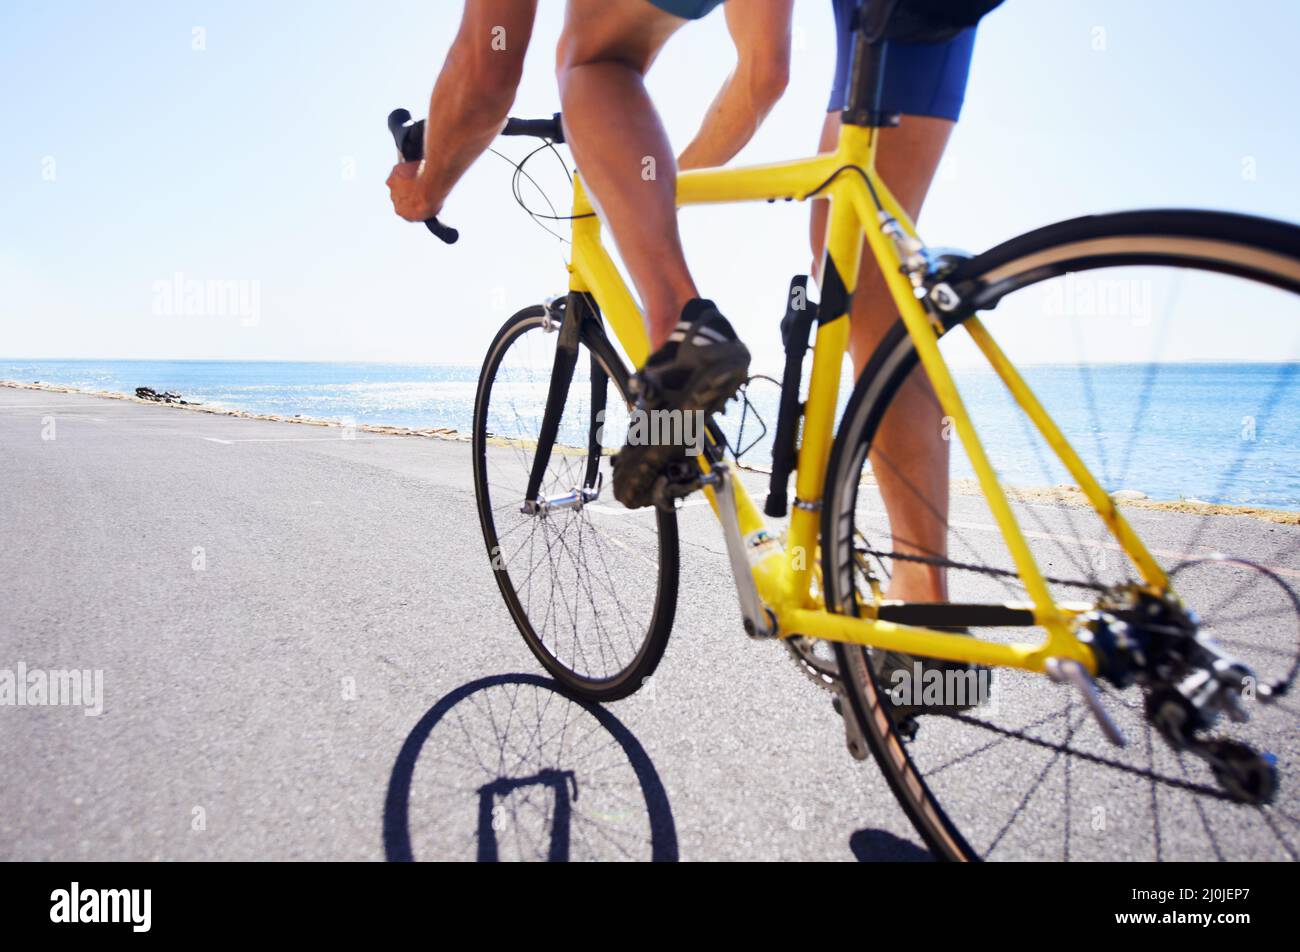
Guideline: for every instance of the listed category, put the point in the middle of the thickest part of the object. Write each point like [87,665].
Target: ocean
[1222,433]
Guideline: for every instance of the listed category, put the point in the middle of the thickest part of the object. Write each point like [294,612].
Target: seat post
[867,78]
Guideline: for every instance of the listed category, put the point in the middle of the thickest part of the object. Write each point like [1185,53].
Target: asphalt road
[304,655]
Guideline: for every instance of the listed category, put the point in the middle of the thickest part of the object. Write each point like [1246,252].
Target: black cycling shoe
[696,372]
[906,700]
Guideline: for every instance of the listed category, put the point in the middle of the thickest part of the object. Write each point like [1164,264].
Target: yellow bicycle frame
[784,576]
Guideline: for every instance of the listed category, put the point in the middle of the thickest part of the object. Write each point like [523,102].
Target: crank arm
[758,621]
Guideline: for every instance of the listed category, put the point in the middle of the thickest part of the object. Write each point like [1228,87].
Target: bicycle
[595,598]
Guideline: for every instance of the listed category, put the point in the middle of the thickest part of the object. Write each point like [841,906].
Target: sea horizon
[8,360]
[1214,431]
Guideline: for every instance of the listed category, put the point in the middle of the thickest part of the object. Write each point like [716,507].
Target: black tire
[1258,250]
[647,632]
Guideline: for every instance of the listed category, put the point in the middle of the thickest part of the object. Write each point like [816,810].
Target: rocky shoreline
[437,433]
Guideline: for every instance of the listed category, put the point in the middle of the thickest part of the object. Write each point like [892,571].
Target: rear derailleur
[1188,683]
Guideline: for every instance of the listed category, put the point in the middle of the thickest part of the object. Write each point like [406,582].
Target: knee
[575,49]
[591,41]
[565,58]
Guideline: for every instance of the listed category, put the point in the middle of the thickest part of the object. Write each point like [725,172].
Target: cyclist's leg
[927,84]
[697,363]
[620,145]
[910,457]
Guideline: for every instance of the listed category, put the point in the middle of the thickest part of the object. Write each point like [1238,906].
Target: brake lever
[410,148]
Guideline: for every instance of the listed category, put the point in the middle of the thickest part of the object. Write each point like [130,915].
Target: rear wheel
[1140,326]
[591,586]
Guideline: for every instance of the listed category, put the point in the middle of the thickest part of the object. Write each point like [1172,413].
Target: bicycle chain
[978,569]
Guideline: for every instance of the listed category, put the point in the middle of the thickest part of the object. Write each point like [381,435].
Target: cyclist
[607,47]
[925,83]
[697,361]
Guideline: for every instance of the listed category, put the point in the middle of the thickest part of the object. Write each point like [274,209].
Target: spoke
[997,742]
[878,456]
[1090,400]
[1147,773]
[1042,774]
[1250,577]
[1200,810]
[1033,438]
[1152,372]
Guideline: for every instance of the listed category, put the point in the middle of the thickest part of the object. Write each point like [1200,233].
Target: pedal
[1068,671]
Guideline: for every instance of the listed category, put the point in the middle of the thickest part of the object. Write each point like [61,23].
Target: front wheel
[1164,345]
[591,586]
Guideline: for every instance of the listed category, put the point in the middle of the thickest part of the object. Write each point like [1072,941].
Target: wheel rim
[583,585]
[1154,802]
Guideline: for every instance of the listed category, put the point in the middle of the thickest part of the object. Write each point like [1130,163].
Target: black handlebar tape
[410,146]
[552,128]
[443,232]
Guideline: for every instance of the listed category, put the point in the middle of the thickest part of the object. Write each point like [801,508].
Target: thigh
[921,79]
[630,32]
[908,157]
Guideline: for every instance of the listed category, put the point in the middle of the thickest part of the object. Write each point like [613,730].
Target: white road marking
[309,439]
[611,511]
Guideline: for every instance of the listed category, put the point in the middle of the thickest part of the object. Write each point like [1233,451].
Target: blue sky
[130,156]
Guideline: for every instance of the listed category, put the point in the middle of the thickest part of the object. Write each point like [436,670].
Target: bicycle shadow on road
[880,846]
[510,768]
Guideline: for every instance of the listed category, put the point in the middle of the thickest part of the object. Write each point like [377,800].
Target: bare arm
[469,105]
[760,30]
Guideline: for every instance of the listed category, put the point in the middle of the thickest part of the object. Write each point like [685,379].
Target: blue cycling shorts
[921,79]
[687,9]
